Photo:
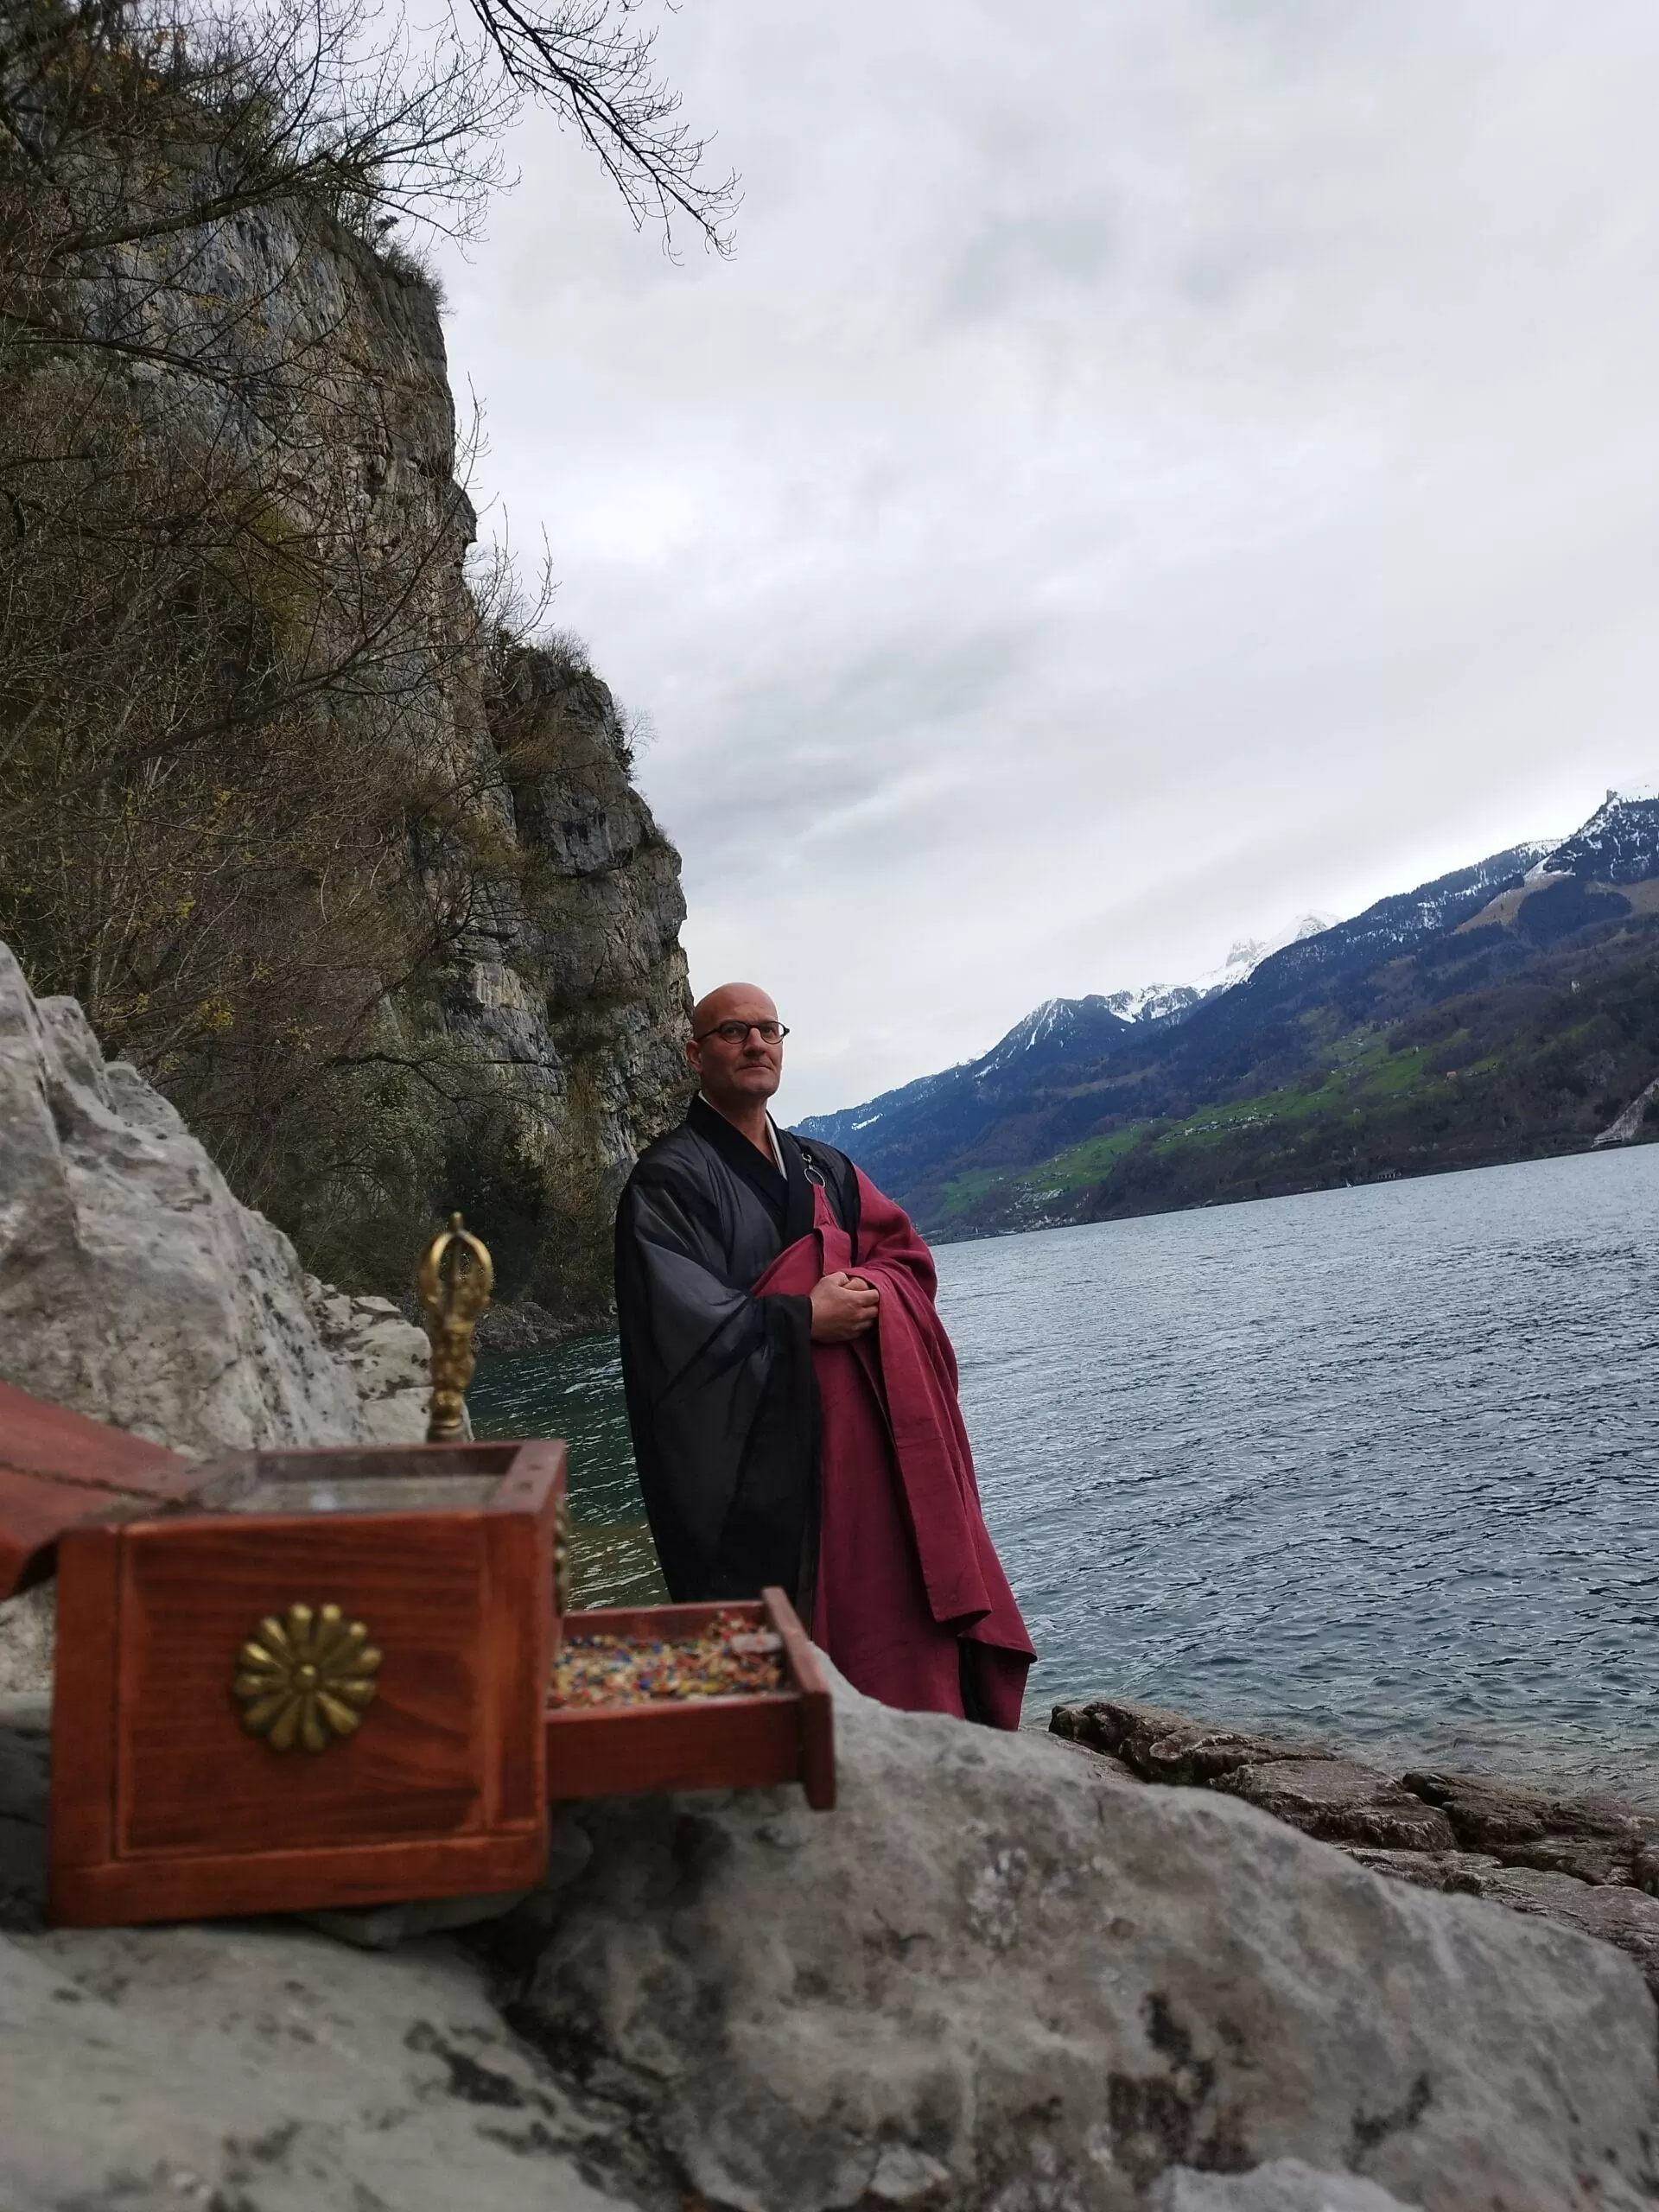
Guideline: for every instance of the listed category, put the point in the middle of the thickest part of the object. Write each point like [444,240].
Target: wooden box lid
[59,1469]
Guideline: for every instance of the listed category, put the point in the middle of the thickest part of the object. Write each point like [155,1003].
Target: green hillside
[1537,1064]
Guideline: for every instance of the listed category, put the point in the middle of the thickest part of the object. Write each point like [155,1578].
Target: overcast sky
[1140,479]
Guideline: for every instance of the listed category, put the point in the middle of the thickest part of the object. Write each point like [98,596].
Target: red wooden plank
[197,1888]
[82,1822]
[716,1743]
[59,1469]
[47,1439]
[817,1712]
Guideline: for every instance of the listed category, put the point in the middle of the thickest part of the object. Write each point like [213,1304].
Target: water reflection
[575,1390]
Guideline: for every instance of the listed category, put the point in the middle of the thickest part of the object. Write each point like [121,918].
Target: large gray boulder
[998,1979]
[134,1287]
[1589,1861]
[1285,2185]
[999,1974]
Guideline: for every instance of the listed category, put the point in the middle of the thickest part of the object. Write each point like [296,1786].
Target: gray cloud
[1134,484]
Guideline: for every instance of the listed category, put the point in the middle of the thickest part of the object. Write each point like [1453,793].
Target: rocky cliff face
[408,934]
[575,984]
[564,979]
[559,987]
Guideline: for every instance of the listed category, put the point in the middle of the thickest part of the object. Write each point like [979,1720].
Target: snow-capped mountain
[904,1133]
[1158,1002]
[1503,1010]
[1619,844]
[1070,1026]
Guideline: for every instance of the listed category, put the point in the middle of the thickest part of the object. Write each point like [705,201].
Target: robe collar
[788,1197]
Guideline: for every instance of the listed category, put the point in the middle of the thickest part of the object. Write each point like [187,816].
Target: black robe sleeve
[721,1399]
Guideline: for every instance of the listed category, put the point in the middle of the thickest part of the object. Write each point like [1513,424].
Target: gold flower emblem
[306,1678]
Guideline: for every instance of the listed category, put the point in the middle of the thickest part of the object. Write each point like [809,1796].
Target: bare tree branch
[588,63]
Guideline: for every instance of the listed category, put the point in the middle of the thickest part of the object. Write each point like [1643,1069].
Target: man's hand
[843,1307]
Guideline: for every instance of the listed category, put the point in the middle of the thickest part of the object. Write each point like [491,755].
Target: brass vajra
[306,1678]
[455,1281]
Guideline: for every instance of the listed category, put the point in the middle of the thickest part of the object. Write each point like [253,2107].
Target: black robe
[722,1398]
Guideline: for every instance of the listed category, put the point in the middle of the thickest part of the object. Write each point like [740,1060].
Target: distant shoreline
[949,1233]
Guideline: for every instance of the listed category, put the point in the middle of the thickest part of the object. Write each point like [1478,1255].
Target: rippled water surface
[1380,1464]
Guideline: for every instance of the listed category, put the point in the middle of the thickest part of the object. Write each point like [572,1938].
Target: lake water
[1378,1464]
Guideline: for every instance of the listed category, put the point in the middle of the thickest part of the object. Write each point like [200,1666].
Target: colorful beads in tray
[730,1658]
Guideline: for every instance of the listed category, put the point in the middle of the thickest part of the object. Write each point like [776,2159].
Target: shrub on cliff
[255,821]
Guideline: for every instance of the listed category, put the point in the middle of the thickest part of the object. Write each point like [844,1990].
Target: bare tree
[252,819]
[595,67]
[328,100]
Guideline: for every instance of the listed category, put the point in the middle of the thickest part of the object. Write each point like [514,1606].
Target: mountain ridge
[1078,1085]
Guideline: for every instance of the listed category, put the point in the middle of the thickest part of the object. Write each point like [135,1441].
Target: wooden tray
[711,1743]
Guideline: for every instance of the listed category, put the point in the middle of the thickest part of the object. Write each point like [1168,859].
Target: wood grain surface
[163,1805]
[58,1468]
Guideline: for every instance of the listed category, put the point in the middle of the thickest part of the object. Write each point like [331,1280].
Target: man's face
[733,1072]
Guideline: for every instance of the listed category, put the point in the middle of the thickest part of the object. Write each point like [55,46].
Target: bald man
[792,1393]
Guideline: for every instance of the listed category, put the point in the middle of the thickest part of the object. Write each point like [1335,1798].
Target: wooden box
[704,1742]
[198,1768]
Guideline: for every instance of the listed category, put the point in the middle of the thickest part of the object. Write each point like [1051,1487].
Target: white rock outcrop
[388,1359]
[998,1979]
[134,1287]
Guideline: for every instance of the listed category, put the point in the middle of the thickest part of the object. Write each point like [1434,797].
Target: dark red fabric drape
[906,1568]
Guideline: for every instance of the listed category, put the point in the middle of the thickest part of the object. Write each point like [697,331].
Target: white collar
[772,1138]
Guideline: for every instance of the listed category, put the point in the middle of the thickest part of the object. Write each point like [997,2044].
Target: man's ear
[694,1054]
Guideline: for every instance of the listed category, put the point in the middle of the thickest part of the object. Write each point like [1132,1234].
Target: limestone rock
[26,1628]
[268,2069]
[523,1324]
[1596,1839]
[1161,1745]
[1343,1802]
[996,1980]
[25,1723]
[389,1359]
[1457,1871]
[1046,1987]
[1616,1915]
[135,1287]
[999,1979]
[1286,2185]
[1533,1849]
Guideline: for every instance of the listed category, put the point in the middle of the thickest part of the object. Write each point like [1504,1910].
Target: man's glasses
[737,1033]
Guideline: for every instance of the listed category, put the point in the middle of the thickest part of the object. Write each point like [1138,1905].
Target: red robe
[906,1568]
